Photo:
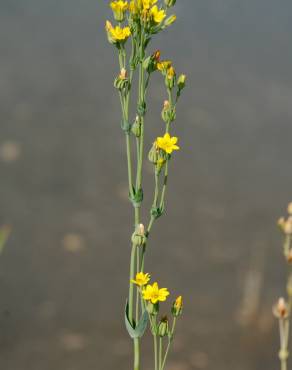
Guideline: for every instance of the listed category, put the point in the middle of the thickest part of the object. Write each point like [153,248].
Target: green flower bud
[159,165]
[153,155]
[122,82]
[169,3]
[168,114]
[152,308]
[181,82]
[177,307]
[138,237]
[136,127]
[150,63]
[156,155]
[169,21]
[163,327]
[119,9]
[170,78]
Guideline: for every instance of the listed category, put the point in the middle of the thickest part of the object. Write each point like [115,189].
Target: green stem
[136,354]
[131,308]
[164,185]
[170,338]
[160,353]
[129,162]
[155,352]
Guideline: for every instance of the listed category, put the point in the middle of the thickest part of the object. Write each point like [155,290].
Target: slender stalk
[155,352]
[160,353]
[136,354]
[170,338]
[284,336]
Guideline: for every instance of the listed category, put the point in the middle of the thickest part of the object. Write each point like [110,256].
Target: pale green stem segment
[137,354]
[170,338]
[155,352]
[160,353]
[284,337]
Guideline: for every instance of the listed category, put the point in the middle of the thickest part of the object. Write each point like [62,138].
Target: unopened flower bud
[152,308]
[119,8]
[150,63]
[156,155]
[166,104]
[170,77]
[288,226]
[281,223]
[123,74]
[159,165]
[108,27]
[168,114]
[169,21]
[289,208]
[136,127]
[153,154]
[138,237]
[156,55]
[177,307]
[181,82]
[163,327]
[280,309]
[169,3]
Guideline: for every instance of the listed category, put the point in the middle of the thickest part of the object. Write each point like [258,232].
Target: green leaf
[136,331]
[142,325]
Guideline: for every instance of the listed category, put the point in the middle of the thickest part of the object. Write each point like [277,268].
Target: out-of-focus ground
[64,272]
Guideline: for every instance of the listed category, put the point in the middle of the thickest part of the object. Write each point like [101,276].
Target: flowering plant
[282,309]
[138,21]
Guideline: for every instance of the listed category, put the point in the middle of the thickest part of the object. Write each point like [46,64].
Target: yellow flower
[118,33]
[133,8]
[119,8]
[157,14]
[170,72]
[167,143]
[147,4]
[178,303]
[141,279]
[164,65]
[153,294]
[119,5]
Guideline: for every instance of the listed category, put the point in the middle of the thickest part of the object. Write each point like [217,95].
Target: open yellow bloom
[157,14]
[147,4]
[133,8]
[164,65]
[119,8]
[153,294]
[118,33]
[119,5]
[141,279]
[167,143]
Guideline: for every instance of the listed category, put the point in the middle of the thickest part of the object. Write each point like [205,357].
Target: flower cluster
[152,294]
[138,13]
[137,21]
[282,309]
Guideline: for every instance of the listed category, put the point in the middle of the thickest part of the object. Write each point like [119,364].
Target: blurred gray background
[64,272]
